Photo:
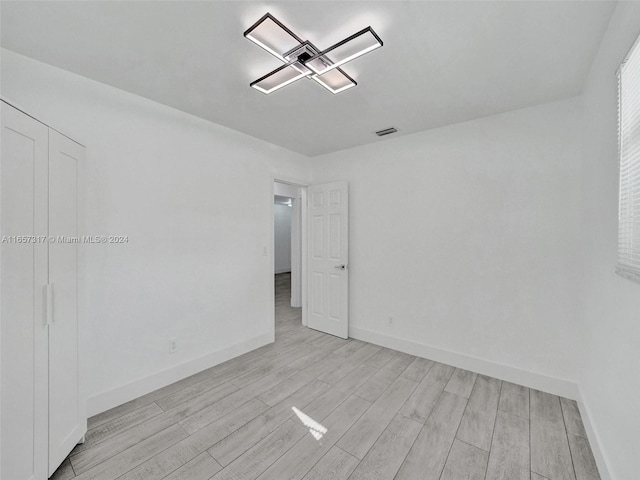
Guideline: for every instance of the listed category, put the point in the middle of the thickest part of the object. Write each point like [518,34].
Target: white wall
[194,199]
[467,236]
[282,237]
[610,378]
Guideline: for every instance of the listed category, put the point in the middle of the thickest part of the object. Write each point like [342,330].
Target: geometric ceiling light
[303,59]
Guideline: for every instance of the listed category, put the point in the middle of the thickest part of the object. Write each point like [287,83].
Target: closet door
[67,418]
[23,275]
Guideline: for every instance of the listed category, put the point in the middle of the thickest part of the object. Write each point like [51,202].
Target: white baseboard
[282,270]
[594,440]
[556,386]
[119,395]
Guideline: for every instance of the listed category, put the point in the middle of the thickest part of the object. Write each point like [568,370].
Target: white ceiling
[442,62]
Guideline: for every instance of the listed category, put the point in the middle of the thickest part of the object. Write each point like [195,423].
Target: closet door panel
[23,275]
[67,422]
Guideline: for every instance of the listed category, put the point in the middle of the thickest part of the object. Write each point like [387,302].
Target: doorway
[319,253]
[288,213]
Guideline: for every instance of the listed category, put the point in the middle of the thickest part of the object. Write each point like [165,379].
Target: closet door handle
[48,291]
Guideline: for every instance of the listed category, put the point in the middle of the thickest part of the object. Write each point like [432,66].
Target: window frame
[628,239]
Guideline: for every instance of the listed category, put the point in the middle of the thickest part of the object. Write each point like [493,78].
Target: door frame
[303,246]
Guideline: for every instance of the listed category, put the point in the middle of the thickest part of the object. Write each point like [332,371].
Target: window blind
[629,156]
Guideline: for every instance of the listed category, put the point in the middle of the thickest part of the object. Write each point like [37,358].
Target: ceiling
[441,63]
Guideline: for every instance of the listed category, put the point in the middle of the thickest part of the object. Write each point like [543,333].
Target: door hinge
[48,303]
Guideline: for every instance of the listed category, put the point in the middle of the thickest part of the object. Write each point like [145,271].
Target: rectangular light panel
[335,80]
[271,34]
[351,47]
[278,78]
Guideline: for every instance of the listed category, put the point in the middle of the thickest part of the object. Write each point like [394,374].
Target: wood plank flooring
[368,413]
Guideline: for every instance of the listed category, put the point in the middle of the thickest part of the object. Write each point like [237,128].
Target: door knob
[340,267]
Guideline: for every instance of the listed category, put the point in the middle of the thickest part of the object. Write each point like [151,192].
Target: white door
[328,258]
[67,419]
[23,275]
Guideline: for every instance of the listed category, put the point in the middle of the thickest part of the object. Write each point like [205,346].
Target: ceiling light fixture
[303,59]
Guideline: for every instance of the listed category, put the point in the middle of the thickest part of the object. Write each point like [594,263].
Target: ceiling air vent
[386,131]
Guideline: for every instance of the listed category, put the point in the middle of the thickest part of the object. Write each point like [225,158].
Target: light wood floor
[387,415]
